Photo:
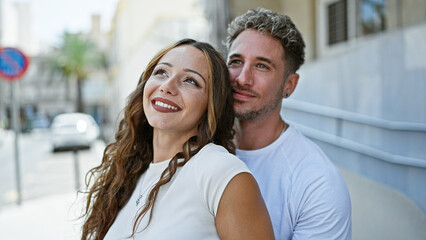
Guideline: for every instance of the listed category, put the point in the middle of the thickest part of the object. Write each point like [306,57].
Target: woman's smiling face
[176,94]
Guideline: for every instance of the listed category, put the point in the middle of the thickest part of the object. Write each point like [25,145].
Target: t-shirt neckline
[285,135]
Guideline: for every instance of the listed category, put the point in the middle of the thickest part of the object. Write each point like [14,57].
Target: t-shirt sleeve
[325,207]
[215,167]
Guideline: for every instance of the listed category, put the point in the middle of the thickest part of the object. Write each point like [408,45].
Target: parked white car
[73,131]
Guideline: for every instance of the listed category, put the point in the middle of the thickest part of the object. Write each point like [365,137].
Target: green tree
[76,56]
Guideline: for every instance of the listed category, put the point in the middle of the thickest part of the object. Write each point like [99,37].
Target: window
[343,21]
[371,17]
[337,22]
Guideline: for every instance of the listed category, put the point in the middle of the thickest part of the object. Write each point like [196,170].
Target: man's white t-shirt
[186,206]
[304,192]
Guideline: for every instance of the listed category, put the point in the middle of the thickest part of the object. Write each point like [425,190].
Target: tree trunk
[79,103]
[67,88]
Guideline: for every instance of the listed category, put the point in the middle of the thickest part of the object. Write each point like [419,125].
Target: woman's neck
[167,144]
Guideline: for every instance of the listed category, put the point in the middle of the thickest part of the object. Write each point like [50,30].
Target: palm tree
[77,56]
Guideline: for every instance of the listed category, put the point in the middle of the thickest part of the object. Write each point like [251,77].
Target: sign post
[13,65]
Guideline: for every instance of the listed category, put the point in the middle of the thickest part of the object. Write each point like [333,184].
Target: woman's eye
[192,81]
[160,72]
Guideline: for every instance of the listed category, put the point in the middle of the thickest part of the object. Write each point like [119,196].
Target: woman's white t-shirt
[186,206]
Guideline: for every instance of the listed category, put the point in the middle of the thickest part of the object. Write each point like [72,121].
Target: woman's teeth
[161,104]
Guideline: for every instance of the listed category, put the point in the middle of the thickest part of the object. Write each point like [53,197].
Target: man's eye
[262,66]
[234,62]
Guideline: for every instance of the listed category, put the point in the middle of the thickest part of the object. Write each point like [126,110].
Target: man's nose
[245,76]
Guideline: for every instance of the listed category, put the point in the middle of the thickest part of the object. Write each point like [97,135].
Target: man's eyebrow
[193,71]
[234,55]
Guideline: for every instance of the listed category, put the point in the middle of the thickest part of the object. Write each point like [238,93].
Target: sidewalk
[379,212]
[52,217]
[43,215]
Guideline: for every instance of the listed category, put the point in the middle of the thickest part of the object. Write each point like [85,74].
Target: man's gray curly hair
[277,25]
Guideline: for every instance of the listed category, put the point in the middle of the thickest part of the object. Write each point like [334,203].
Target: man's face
[257,71]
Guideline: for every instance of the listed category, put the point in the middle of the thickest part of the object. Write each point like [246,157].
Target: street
[43,172]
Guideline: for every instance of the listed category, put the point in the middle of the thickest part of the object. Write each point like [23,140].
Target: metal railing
[352,117]
[360,119]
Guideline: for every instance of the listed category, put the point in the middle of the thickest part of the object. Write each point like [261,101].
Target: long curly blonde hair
[128,157]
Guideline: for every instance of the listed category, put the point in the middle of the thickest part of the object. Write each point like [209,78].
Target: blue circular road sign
[13,64]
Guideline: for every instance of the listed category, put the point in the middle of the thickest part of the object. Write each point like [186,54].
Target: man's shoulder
[306,161]
[291,152]
[297,142]
[301,151]
[312,169]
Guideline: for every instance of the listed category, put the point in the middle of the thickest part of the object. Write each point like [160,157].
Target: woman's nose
[169,86]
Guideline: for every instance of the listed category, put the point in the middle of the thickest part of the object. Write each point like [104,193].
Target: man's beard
[270,106]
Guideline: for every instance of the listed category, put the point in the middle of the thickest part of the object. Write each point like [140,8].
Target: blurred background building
[361,95]
[45,90]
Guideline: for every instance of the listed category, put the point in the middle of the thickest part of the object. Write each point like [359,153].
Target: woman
[169,174]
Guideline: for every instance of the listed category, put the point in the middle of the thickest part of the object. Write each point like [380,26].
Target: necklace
[141,194]
[154,173]
[138,200]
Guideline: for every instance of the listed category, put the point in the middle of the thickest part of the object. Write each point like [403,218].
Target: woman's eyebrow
[165,63]
[193,71]
[185,69]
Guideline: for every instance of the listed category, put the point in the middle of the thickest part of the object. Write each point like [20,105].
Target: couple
[171,172]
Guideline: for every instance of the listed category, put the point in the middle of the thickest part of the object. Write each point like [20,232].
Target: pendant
[138,200]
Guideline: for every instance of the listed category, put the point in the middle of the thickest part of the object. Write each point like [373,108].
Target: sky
[53,17]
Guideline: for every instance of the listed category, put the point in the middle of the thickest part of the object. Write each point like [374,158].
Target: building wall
[239,7]
[302,13]
[413,12]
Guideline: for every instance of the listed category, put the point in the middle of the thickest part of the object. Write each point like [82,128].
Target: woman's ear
[290,85]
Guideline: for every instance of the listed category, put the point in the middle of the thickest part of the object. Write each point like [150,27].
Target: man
[305,194]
